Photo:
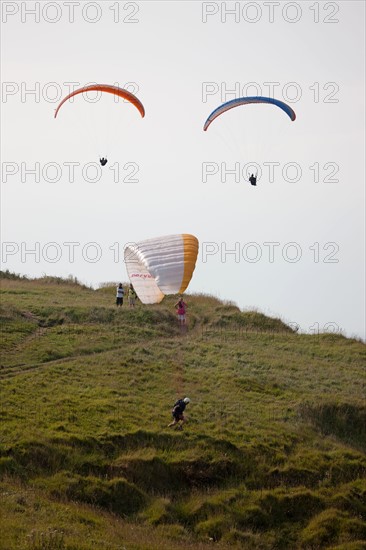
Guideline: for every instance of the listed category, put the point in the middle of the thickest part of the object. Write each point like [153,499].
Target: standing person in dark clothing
[119,295]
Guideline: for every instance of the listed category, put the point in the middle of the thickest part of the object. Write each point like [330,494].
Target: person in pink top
[181,308]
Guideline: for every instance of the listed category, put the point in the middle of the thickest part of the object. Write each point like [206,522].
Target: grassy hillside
[272,456]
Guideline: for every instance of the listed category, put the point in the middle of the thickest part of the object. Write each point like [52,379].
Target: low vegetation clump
[272,455]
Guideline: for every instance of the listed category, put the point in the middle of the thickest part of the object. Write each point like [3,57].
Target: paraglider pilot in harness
[253,179]
[103,161]
[177,412]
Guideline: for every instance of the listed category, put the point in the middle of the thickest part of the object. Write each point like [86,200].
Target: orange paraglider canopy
[115,90]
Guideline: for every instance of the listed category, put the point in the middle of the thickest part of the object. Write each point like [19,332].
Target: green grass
[272,455]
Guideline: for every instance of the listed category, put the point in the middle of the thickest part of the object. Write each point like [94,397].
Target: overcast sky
[292,247]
